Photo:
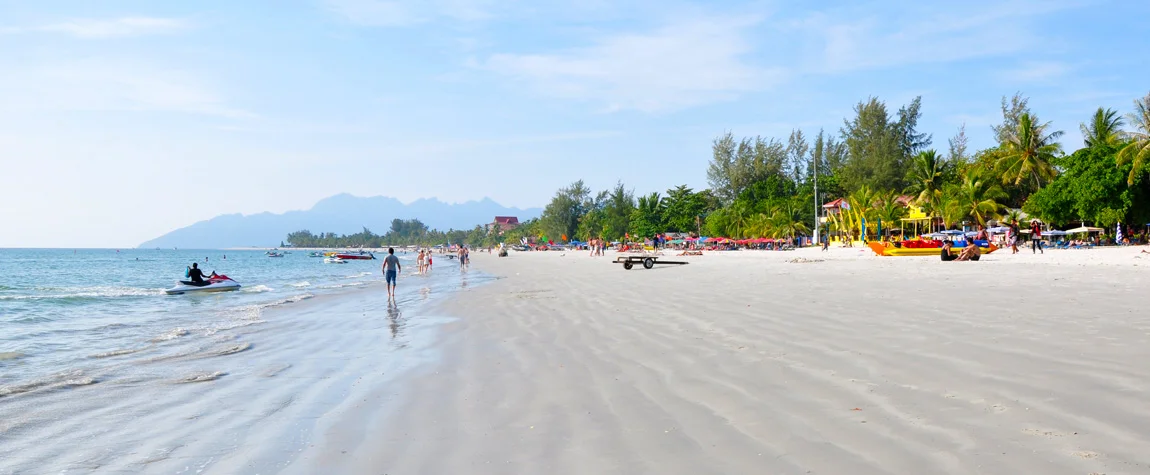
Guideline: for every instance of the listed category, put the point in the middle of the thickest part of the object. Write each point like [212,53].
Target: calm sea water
[67,309]
[101,372]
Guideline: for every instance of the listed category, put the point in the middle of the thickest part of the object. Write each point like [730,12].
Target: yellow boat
[889,249]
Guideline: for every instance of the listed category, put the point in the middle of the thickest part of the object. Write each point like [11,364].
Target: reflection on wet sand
[393,315]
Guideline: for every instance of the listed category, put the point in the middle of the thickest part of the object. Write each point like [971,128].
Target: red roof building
[505,223]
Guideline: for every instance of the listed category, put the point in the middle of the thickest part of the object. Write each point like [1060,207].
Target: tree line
[403,232]
[878,163]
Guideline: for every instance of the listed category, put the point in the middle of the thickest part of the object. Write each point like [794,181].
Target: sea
[92,351]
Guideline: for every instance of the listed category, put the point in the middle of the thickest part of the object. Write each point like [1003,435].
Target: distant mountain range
[341,214]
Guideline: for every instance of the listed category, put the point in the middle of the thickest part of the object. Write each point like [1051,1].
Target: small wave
[79,293]
[257,289]
[340,286]
[231,350]
[301,284]
[57,381]
[170,335]
[200,377]
[231,326]
[356,276]
[10,355]
[109,354]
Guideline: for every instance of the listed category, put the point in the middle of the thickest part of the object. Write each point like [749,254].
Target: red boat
[366,256]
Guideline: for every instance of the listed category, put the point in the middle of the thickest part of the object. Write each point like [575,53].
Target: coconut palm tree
[1104,128]
[1027,153]
[978,199]
[786,220]
[1138,149]
[760,226]
[926,180]
[889,210]
[861,208]
[952,210]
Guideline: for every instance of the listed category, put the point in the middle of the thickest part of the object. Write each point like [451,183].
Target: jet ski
[215,283]
[333,260]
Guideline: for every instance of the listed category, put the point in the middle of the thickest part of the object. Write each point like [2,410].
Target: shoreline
[777,362]
[248,398]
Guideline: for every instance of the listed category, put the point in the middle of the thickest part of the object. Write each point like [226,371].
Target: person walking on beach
[391,270]
[1013,237]
[1036,237]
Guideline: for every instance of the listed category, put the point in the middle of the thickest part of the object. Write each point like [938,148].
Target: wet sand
[773,362]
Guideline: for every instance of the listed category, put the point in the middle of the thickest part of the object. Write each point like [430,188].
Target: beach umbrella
[1084,229]
[998,230]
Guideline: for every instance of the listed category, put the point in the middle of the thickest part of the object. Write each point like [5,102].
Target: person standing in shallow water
[391,268]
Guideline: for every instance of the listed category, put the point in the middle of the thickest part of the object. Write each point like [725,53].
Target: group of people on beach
[423,261]
[597,246]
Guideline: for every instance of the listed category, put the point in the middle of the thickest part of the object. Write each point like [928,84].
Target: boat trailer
[647,261]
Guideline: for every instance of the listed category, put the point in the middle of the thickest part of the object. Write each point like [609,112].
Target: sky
[121,120]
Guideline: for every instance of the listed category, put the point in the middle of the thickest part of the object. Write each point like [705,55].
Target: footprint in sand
[1086,454]
[1044,433]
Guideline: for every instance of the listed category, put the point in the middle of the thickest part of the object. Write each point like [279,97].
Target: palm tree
[926,180]
[1027,153]
[739,220]
[861,208]
[786,221]
[977,199]
[889,210]
[1105,128]
[760,226]
[952,210]
[1138,149]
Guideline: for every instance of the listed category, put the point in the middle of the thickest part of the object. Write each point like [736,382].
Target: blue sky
[121,120]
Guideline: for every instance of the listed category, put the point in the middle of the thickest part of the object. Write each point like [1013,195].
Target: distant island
[343,214]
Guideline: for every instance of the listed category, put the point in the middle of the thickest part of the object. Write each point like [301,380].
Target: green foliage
[736,165]
[1028,152]
[1092,189]
[561,216]
[879,146]
[1104,128]
[1137,151]
[683,208]
[647,218]
[926,177]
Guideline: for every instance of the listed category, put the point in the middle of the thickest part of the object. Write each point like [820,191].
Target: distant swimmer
[391,268]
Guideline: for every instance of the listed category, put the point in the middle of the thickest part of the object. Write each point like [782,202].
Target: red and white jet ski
[215,283]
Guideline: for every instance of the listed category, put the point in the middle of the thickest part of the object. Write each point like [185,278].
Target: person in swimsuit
[391,268]
[946,255]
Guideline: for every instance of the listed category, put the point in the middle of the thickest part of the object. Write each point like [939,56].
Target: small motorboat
[360,256]
[275,254]
[333,260]
[215,283]
[316,254]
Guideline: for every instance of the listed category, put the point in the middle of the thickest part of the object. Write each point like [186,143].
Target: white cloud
[858,38]
[1036,72]
[685,63]
[108,28]
[104,84]
[394,13]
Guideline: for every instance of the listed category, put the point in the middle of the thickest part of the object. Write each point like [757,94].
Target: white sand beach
[802,362]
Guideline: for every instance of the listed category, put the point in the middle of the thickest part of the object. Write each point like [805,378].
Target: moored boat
[925,247]
[363,256]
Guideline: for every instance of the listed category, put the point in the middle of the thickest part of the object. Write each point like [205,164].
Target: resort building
[505,223]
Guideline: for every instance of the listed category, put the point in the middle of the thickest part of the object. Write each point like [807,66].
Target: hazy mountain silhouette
[342,214]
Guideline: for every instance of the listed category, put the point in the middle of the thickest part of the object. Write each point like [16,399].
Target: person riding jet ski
[197,276]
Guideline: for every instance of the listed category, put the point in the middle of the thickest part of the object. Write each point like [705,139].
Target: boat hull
[888,249]
[363,257]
